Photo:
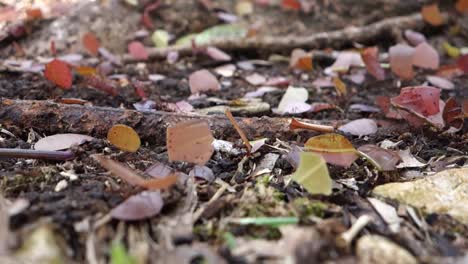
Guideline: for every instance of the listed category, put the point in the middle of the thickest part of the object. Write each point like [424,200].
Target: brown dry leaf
[401,61]
[190,141]
[124,138]
[452,114]
[385,159]
[340,86]
[431,14]
[239,130]
[301,60]
[61,141]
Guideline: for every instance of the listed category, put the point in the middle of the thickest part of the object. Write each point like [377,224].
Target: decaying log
[51,118]
[332,39]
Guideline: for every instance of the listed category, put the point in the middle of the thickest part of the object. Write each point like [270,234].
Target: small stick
[345,238]
[302,125]
[239,130]
[36,154]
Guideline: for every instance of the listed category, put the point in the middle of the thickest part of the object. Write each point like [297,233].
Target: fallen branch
[332,39]
[50,118]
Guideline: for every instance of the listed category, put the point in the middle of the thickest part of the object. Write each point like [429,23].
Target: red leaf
[137,50]
[370,58]
[425,56]
[140,89]
[423,100]
[462,63]
[291,4]
[59,73]
[91,43]
[453,114]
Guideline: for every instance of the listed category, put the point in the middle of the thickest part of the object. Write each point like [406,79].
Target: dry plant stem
[314,127]
[332,39]
[239,130]
[51,118]
[345,238]
[36,154]
[215,197]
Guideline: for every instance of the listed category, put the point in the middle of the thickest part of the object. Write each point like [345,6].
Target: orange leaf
[163,183]
[291,4]
[301,60]
[91,43]
[431,14]
[340,86]
[85,70]
[59,73]
[462,6]
[124,138]
[190,141]
[34,13]
[239,130]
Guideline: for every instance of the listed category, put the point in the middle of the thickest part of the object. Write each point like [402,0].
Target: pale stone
[377,249]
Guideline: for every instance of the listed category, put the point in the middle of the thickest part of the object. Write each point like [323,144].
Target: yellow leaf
[329,143]
[312,174]
[124,138]
[340,86]
[452,51]
[85,70]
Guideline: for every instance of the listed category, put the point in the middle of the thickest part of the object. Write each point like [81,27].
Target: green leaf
[220,32]
[160,38]
[230,240]
[312,174]
[269,221]
[119,255]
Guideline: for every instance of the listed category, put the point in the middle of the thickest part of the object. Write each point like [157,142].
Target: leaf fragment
[334,148]
[203,81]
[137,50]
[59,73]
[386,160]
[61,141]
[401,61]
[431,14]
[139,206]
[91,43]
[370,56]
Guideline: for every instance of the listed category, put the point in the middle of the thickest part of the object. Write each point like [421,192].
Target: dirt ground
[79,214]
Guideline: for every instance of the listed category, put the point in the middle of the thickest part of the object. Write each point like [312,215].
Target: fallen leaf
[452,51]
[160,38]
[449,71]
[340,86]
[425,56]
[360,127]
[139,206]
[202,172]
[363,108]
[414,38]
[190,141]
[203,81]
[58,73]
[293,101]
[137,50]
[159,170]
[386,160]
[334,148]
[217,54]
[440,82]
[244,7]
[260,92]
[34,13]
[423,100]
[61,141]
[408,160]
[345,60]
[118,253]
[85,70]
[91,43]
[226,70]
[453,114]
[462,63]
[295,124]
[384,103]
[323,82]
[301,60]
[150,7]
[257,144]
[124,138]
[291,4]
[431,14]
[370,56]
[101,84]
[239,130]
[401,61]
[312,174]
[255,79]
[462,6]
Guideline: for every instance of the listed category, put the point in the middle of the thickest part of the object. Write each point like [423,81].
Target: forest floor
[249,210]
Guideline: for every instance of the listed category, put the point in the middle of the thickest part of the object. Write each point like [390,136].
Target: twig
[345,238]
[314,127]
[332,39]
[239,130]
[36,154]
